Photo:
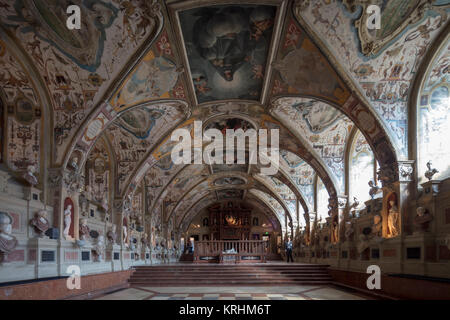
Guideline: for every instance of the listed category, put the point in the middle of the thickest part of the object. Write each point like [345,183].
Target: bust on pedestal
[422,219]
[7,241]
[84,229]
[30,177]
[40,223]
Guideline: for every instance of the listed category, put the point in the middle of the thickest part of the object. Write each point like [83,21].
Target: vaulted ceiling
[111,93]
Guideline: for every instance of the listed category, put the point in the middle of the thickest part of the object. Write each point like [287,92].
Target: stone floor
[235,293]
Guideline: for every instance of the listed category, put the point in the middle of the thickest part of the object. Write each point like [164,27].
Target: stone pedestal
[69,253]
[45,253]
[431,188]
[127,258]
[346,253]
[391,252]
[18,264]
[419,249]
[32,194]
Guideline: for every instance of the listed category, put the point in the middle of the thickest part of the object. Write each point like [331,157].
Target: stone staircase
[264,274]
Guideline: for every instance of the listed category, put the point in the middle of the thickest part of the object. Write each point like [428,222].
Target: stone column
[406,192]
[117,219]
[343,216]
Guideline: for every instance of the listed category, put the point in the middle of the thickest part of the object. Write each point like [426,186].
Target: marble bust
[30,177]
[7,241]
[105,204]
[377,226]
[99,248]
[422,219]
[84,229]
[112,234]
[349,230]
[40,223]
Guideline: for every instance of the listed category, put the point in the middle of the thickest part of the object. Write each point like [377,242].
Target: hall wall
[418,252]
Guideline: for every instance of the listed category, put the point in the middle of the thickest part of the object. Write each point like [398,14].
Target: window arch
[433,117]
[301,216]
[322,201]
[362,169]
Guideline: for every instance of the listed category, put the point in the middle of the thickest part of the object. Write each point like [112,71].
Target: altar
[234,251]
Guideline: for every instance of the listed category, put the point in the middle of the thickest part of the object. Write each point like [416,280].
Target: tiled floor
[234,293]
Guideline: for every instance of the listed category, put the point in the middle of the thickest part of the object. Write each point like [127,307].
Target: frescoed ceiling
[322,126]
[382,63]
[78,66]
[139,69]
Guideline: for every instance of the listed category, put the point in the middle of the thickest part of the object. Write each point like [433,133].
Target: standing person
[289,249]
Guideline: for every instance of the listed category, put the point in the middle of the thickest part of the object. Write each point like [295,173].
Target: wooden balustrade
[219,251]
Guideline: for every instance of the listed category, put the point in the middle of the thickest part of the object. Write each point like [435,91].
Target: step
[202,275]
[145,276]
[231,270]
[227,283]
[230,275]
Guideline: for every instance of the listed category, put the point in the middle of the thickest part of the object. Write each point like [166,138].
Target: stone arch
[423,72]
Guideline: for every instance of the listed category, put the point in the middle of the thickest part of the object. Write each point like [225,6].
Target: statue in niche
[30,177]
[7,241]
[112,234]
[335,232]
[422,219]
[430,171]
[67,221]
[125,231]
[89,192]
[377,226]
[40,223]
[84,229]
[128,203]
[393,217]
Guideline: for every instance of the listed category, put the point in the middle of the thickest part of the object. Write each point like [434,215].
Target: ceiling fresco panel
[302,69]
[227,48]
[155,77]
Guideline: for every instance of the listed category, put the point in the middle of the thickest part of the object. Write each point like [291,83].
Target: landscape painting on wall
[227,48]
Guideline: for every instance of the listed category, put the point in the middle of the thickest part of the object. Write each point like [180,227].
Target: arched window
[361,169]
[433,117]
[301,216]
[255,221]
[322,201]
[205,222]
